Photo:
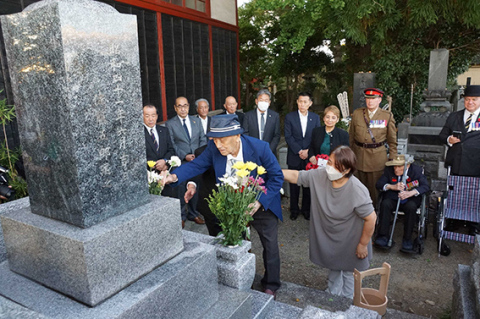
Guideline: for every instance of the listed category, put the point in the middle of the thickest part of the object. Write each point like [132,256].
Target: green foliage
[8,157]
[392,38]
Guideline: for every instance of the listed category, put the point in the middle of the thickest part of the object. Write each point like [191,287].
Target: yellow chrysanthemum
[261,170]
[151,164]
[239,165]
[243,173]
[250,166]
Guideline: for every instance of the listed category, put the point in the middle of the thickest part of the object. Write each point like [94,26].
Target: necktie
[155,143]
[469,120]
[186,129]
[232,170]
[262,126]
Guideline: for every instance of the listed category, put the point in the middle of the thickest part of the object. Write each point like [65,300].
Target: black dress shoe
[306,215]
[293,216]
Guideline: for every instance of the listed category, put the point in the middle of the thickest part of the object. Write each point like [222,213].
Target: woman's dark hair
[345,159]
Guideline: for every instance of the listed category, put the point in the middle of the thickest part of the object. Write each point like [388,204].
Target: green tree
[392,38]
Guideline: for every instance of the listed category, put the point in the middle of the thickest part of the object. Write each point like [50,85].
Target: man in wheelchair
[395,189]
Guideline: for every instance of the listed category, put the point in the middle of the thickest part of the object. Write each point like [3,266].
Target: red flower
[409,180]
[394,179]
[311,166]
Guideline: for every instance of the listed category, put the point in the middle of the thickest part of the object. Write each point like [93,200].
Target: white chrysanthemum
[174,161]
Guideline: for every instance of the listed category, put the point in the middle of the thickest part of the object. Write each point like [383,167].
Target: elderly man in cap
[409,193]
[462,135]
[371,129]
[228,145]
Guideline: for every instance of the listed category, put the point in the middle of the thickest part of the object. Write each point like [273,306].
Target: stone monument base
[180,288]
[92,264]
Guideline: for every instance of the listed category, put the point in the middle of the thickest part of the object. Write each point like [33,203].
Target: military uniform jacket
[383,128]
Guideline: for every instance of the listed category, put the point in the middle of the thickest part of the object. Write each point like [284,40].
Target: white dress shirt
[303,122]
[204,124]
[238,158]
[149,129]
[187,122]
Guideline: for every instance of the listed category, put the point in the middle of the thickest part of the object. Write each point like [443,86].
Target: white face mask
[263,106]
[332,173]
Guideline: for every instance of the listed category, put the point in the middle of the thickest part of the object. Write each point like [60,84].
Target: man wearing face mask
[263,123]
[371,129]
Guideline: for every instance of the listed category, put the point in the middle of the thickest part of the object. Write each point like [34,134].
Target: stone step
[232,304]
[280,310]
[190,276]
[262,304]
[353,312]
[302,297]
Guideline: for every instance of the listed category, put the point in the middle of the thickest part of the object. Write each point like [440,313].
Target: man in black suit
[409,192]
[263,123]
[202,113]
[298,135]
[461,133]
[231,108]
[158,143]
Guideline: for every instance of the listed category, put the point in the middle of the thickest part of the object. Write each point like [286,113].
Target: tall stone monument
[422,132]
[361,81]
[90,228]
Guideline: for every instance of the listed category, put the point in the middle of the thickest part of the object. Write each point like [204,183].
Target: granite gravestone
[361,81]
[76,83]
[437,95]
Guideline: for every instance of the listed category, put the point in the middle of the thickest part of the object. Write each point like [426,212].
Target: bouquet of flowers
[322,160]
[155,186]
[232,201]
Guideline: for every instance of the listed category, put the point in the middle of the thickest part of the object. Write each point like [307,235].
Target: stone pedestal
[92,264]
[236,266]
[184,287]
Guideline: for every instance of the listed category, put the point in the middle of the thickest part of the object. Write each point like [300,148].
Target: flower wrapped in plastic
[155,186]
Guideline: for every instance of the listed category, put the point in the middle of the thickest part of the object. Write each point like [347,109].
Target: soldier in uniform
[371,129]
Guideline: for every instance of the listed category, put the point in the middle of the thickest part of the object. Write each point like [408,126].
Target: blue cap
[224,125]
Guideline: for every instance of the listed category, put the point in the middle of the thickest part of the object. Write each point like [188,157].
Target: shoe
[407,245]
[199,221]
[293,215]
[306,215]
[271,292]
[381,241]
[183,224]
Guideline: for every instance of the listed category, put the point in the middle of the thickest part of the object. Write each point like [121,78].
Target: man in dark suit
[461,133]
[263,123]
[409,192]
[227,142]
[158,143]
[186,133]
[230,106]
[202,113]
[298,135]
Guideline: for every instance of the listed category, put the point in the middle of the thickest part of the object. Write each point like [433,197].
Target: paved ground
[419,284]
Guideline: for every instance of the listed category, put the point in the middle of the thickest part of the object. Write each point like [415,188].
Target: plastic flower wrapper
[230,203]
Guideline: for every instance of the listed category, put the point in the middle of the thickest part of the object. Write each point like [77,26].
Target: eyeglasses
[184,106]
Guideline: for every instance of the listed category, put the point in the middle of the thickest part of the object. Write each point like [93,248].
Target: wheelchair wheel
[445,249]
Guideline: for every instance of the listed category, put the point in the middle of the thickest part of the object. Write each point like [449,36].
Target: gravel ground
[419,284]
